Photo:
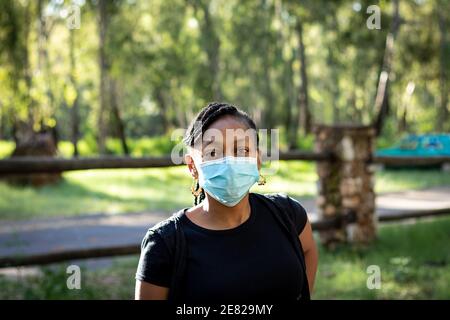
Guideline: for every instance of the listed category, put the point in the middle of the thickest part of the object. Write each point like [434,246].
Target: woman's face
[227,136]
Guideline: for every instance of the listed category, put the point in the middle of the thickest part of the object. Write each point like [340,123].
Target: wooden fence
[30,165]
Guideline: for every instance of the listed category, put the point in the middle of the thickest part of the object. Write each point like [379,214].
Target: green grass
[107,191]
[413,259]
[168,189]
[406,179]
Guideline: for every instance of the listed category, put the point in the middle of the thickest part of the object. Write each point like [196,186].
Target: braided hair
[212,112]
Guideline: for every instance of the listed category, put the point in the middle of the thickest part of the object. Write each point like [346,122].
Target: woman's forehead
[228,122]
[228,130]
[228,135]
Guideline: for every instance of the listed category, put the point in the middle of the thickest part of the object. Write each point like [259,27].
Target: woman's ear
[191,166]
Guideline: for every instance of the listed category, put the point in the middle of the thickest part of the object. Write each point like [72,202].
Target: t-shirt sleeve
[154,263]
[300,216]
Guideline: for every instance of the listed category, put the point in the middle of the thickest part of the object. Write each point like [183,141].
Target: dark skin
[211,214]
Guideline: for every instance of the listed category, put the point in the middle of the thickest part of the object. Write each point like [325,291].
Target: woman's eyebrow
[244,139]
[211,141]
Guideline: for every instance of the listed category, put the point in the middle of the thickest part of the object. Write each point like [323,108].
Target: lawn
[124,190]
[413,259]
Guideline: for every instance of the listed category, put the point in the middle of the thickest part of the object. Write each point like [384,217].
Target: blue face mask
[228,179]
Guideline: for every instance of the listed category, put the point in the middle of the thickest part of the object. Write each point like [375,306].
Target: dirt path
[38,236]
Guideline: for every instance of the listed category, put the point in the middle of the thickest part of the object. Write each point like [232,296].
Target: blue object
[228,179]
[424,145]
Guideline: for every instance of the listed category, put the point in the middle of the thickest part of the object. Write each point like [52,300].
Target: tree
[303,100]
[444,53]
[103,65]
[108,86]
[382,96]
[75,116]
[211,44]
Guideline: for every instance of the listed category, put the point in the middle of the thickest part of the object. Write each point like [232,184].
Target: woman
[236,245]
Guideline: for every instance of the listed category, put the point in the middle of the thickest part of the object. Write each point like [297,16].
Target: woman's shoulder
[165,229]
[279,197]
[289,205]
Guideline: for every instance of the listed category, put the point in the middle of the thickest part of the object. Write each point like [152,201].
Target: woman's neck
[225,217]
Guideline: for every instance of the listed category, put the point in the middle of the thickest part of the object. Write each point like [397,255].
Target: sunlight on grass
[405,179]
[413,259]
[107,191]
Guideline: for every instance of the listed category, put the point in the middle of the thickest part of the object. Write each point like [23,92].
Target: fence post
[346,183]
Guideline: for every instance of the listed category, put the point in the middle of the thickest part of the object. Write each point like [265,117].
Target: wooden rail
[131,249]
[27,165]
[68,255]
[412,214]
[100,252]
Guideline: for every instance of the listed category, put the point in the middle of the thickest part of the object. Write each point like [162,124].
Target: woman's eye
[243,151]
[210,154]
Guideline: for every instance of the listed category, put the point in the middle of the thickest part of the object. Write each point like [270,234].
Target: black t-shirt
[253,261]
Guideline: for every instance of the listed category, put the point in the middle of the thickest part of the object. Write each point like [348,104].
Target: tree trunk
[332,62]
[42,51]
[291,124]
[119,121]
[381,99]
[27,68]
[403,123]
[267,79]
[31,143]
[304,112]
[103,65]
[75,118]
[444,54]
[159,96]
[353,111]
[212,48]
[268,94]
[2,121]
[335,92]
[43,60]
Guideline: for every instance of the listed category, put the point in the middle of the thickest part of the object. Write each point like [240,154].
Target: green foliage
[6,148]
[169,58]
[413,260]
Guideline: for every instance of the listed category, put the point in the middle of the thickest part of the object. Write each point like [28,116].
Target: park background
[88,78]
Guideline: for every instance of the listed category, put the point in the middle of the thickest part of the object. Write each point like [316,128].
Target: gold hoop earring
[195,188]
[262,180]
